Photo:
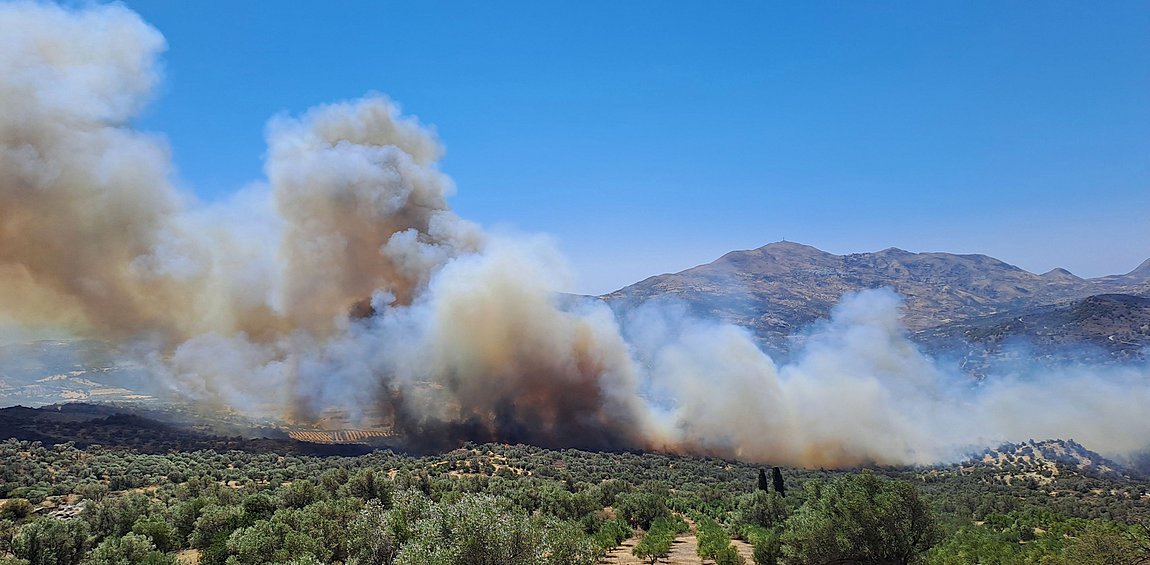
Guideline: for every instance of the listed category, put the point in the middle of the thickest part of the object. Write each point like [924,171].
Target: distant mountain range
[778,289]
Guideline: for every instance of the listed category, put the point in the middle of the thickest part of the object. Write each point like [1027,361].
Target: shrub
[861,518]
[49,541]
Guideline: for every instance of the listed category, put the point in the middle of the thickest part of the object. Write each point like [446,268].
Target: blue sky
[649,137]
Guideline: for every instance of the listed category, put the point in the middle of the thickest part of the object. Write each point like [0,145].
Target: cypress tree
[762,480]
[777,479]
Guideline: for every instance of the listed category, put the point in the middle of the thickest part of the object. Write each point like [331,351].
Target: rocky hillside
[1041,461]
[777,289]
[1096,328]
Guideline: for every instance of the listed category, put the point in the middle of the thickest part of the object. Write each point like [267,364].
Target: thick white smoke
[346,282]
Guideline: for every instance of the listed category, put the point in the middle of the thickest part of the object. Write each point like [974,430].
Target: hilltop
[1042,461]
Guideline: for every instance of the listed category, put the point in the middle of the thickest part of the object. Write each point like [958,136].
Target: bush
[656,543]
[480,529]
[159,532]
[761,508]
[131,549]
[611,534]
[370,539]
[268,542]
[49,541]
[861,518]
[767,544]
[16,509]
[641,509]
[712,538]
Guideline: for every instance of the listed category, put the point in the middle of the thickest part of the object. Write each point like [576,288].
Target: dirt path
[684,551]
[745,549]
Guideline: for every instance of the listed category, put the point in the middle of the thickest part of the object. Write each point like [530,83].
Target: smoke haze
[458,333]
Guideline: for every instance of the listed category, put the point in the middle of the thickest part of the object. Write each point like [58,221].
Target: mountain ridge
[779,288]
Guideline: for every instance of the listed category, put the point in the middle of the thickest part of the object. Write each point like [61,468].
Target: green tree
[863,519]
[49,541]
[15,509]
[641,509]
[564,543]
[256,507]
[480,529]
[408,507]
[183,517]
[369,484]
[766,544]
[7,533]
[301,493]
[654,545]
[1109,544]
[610,534]
[332,479]
[131,549]
[762,508]
[326,521]
[763,485]
[714,543]
[370,539]
[114,516]
[211,533]
[269,541]
[777,480]
[159,531]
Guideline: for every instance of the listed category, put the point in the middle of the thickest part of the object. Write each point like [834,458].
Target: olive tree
[861,518]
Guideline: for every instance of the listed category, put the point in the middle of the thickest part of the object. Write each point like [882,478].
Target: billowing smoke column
[246,302]
[456,333]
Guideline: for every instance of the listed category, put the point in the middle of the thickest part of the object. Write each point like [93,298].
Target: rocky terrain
[778,289]
[1101,328]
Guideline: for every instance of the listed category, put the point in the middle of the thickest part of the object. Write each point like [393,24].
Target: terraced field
[340,436]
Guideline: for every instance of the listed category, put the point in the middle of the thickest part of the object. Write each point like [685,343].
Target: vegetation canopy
[502,504]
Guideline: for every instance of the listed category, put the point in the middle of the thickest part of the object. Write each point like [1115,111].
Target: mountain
[1139,276]
[779,288]
[1097,328]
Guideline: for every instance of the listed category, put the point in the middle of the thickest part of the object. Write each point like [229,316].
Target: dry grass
[188,557]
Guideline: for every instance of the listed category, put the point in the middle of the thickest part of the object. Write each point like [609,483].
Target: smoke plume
[344,281]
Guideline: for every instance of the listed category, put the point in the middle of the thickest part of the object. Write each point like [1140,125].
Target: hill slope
[1104,327]
[777,289]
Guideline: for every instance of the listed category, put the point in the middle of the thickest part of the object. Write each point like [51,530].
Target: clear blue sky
[648,137]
